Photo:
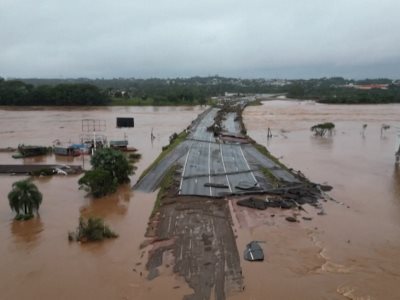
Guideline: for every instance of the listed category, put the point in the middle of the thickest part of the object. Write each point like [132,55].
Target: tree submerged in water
[323,128]
[93,229]
[113,161]
[98,183]
[24,199]
[110,168]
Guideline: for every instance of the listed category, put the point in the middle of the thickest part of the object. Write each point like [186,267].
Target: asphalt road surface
[214,169]
[210,163]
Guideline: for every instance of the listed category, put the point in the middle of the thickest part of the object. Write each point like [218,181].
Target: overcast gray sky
[181,38]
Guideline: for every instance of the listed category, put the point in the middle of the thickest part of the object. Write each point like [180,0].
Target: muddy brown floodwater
[352,252]
[36,259]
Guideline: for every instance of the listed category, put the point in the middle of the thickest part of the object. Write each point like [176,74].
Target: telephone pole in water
[397,154]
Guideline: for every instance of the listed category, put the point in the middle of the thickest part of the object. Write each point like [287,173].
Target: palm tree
[24,199]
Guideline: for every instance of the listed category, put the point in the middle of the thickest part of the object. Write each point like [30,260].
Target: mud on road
[198,232]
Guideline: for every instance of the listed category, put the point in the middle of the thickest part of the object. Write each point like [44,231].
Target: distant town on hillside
[190,91]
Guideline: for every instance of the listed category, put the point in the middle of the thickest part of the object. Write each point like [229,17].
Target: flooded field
[352,252]
[37,261]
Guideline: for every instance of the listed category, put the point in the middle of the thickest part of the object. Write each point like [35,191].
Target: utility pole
[397,154]
[269,133]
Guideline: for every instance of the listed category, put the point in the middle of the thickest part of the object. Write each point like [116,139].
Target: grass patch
[264,150]
[166,150]
[275,182]
[165,186]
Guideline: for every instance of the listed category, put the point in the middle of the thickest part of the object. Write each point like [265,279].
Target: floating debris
[253,203]
[243,185]
[291,219]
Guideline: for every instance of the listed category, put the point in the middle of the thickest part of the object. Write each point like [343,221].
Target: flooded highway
[352,252]
[209,161]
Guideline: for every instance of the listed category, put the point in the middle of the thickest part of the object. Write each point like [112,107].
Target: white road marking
[247,164]
[169,224]
[184,168]
[190,240]
[223,164]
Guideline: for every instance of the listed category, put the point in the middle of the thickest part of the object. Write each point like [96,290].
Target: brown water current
[352,252]
[36,259]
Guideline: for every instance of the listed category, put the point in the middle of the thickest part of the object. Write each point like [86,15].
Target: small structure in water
[119,144]
[122,145]
[93,141]
[29,151]
[67,149]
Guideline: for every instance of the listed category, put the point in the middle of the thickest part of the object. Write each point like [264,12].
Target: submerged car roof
[253,252]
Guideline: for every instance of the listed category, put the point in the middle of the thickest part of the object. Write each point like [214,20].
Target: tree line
[172,91]
[338,91]
[186,91]
[15,92]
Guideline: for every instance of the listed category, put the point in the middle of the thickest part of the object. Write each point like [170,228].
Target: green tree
[296,90]
[113,161]
[14,92]
[98,182]
[323,128]
[202,100]
[24,199]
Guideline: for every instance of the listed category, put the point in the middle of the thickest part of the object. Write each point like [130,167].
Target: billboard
[125,122]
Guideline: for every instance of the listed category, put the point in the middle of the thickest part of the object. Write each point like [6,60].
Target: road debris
[291,219]
[253,252]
